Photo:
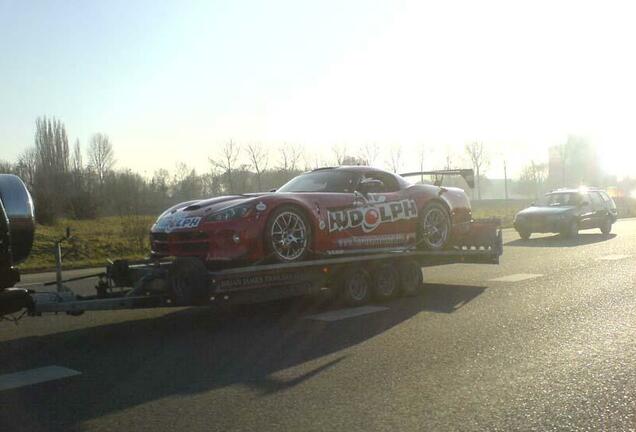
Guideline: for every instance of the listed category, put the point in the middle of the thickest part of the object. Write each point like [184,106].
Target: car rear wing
[467,174]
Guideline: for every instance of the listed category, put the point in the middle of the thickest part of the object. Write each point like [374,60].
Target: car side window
[597,202]
[390,183]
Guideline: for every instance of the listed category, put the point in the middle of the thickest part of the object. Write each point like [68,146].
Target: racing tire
[572,230]
[188,282]
[433,227]
[606,227]
[288,235]
[525,235]
[355,287]
[386,282]
[411,280]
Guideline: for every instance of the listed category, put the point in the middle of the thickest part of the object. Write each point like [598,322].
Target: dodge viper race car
[325,212]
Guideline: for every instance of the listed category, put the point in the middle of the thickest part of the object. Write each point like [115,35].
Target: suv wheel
[572,229]
[525,235]
[606,226]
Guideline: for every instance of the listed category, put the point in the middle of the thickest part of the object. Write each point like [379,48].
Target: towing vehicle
[186,281]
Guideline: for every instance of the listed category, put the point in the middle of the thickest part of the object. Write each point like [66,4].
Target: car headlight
[230,213]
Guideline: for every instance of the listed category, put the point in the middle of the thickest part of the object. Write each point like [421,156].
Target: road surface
[544,341]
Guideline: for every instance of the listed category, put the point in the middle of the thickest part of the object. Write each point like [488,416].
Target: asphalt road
[551,345]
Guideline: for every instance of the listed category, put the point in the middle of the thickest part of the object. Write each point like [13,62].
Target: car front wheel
[571,230]
[288,235]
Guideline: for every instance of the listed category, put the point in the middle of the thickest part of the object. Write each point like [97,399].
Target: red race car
[324,212]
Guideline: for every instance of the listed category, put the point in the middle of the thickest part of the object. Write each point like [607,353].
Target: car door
[587,218]
[388,216]
[600,209]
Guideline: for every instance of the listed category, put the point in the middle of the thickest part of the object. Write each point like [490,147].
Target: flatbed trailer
[356,280]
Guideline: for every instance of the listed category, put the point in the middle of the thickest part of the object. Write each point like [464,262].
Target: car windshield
[560,199]
[322,181]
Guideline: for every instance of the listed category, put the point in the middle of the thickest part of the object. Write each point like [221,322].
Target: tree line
[84,183]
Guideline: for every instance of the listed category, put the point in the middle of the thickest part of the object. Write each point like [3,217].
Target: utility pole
[505,181]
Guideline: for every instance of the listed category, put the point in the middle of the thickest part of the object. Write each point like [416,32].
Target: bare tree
[258,159]
[101,156]
[479,159]
[369,152]
[340,152]
[27,166]
[290,155]
[395,158]
[77,164]
[532,178]
[228,163]
[423,153]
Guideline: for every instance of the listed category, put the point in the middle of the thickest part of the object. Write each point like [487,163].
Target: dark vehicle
[16,227]
[566,211]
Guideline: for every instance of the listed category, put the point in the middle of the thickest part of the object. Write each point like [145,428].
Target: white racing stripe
[517,277]
[341,314]
[613,257]
[35,376]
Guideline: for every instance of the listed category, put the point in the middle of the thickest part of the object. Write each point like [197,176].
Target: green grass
[94,241]
[502,209]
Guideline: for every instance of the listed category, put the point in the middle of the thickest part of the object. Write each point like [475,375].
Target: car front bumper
[541,226]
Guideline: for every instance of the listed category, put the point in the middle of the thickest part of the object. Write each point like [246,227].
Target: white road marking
[341,314]
[613,257]
[518,277]
[35,376]
[28,284]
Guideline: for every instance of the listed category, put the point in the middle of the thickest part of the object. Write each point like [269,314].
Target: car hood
[190,213]
[544,210]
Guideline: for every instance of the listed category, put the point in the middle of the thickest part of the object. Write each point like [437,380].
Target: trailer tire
[411,280]
[188,282]
[355,287]
[386,282]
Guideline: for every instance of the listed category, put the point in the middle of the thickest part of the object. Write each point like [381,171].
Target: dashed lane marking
[35,376]
[517,277]
[613,257]
[341,314]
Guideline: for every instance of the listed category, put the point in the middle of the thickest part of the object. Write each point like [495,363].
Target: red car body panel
[341,223]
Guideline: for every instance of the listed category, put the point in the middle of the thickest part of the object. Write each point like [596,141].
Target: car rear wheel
[606,227]
[434,226]
[288,235]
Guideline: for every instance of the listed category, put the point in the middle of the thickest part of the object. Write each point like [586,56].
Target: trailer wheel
[188,282]
[355,287]
[410,278]
[386,282]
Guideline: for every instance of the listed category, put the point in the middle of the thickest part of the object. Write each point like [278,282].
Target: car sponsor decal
[376,240]
[173,222]
[372,215]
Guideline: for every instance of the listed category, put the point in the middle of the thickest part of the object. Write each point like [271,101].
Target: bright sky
[173,81]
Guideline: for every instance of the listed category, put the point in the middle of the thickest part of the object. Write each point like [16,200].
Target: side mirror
[368,186]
